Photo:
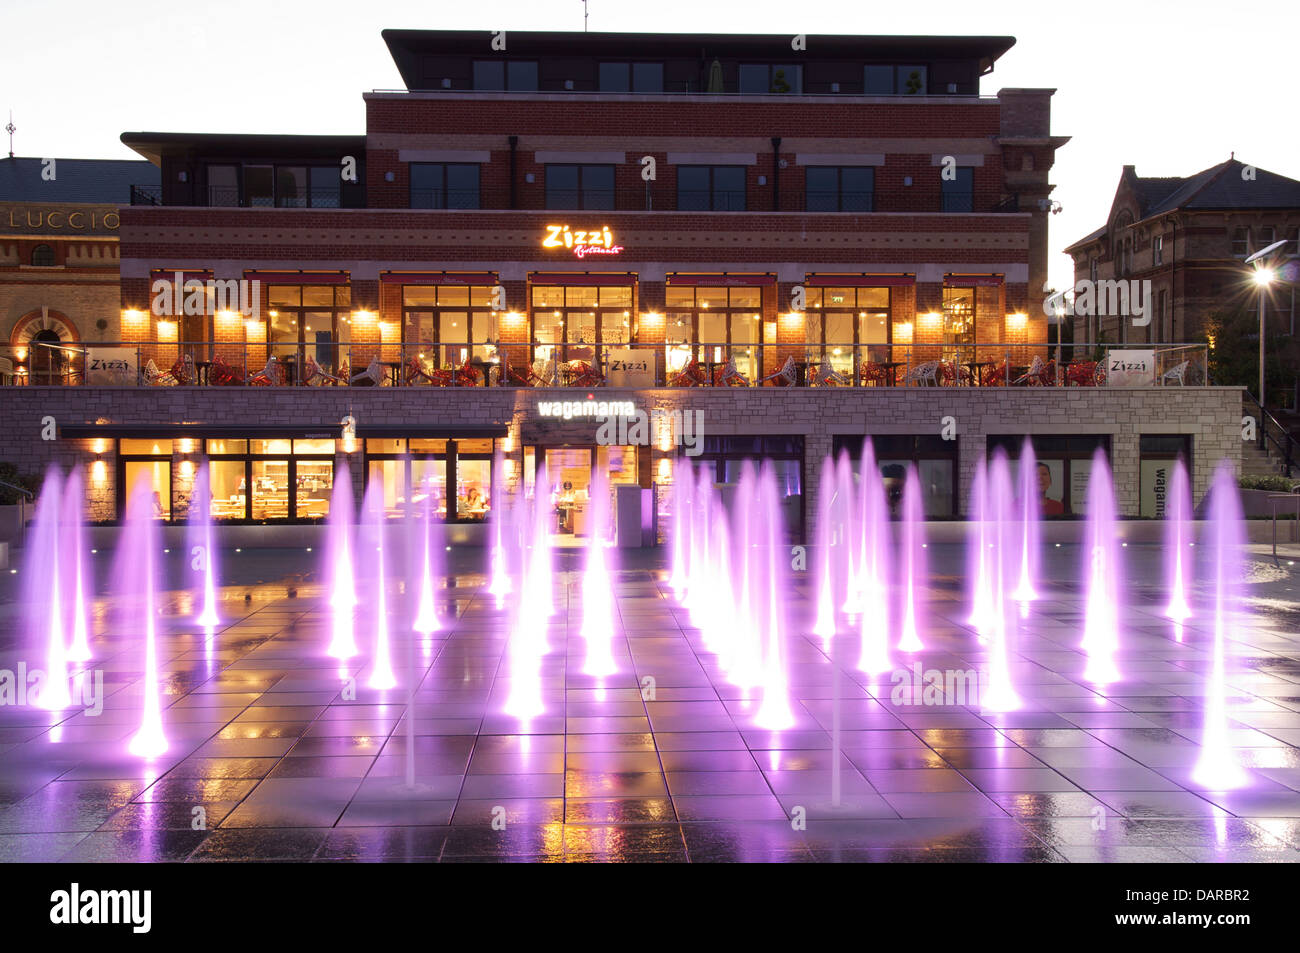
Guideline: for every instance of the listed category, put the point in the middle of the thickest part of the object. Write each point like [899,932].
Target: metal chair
[785,377]
[729,376]
[1033,375]
[927,373]
[272,375]
[1176,373]
[154,377]
[827,376]
[314,375]
[372,376]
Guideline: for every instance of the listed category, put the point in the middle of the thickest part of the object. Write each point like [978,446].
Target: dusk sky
[1171,87]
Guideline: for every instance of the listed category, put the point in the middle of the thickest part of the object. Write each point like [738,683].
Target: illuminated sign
[597,241]
[568,409]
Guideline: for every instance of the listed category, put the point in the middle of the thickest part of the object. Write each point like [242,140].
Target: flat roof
[154,145]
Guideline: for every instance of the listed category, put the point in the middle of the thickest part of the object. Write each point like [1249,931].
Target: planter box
[11,527]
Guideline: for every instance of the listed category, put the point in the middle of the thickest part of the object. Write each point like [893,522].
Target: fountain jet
[910,639]
[136,558]
[873,567]
[1216,768]
[381,670]
[200,545]
[1177,540]
[342,581]
[1030,531]
[1102,573]
[76,566]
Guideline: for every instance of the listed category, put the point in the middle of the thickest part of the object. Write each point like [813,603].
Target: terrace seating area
[167,364]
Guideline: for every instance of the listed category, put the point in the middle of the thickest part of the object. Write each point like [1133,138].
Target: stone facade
[1210,415]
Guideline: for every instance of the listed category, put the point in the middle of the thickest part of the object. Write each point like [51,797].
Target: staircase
[1255,462]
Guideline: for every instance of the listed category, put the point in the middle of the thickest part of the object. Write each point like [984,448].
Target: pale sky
[1171,86]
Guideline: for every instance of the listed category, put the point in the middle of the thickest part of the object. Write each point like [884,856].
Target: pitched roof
[1223,186]
[92,181]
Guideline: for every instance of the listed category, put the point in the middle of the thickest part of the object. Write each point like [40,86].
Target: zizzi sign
[597,241]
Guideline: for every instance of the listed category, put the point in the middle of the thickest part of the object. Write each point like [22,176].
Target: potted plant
[16,495]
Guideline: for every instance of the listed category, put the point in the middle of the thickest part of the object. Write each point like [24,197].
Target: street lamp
[1263,278]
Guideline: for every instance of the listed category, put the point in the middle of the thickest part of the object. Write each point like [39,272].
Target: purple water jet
[1178,537]
[1102,572]
[136,564]
[203,557]
[913,561]
[1217,767]
[342,579]
[873,567]
[75,566]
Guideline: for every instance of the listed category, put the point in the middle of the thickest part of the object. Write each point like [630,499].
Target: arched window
[43,256]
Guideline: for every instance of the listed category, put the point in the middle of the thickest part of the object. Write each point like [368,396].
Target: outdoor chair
[314,375]
[785,377]
[153,377]
[692,375]
[1031,377]
[372,376]
[927,374]
[729,376]
[272,375]
[826,376]
[1176,373]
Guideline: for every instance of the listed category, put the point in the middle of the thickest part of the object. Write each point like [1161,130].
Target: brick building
[59,224]
[850,215]
[1189,237]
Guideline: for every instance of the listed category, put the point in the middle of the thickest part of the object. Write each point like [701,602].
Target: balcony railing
[658,198]
[598,364]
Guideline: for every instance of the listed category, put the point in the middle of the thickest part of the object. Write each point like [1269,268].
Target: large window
[762,78]
[935,460]
[1064,468]
[959,192]
[717,188]
[145,460]
[839,188]
[576,322]
[447,325]
[723,458]
[880,79]
[1158,453]
[420,470]
[271,480]
[849,327]
[959,324]
[444,185]
[306,321]
[631,77]
[279,186]
[714,324]
[516,75]
[579,186]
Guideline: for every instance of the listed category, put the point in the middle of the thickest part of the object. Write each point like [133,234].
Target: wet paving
[279,753]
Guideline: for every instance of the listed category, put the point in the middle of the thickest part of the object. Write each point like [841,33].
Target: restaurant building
[796,242]
[59,225]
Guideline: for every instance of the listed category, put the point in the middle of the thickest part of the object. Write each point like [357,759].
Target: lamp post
[1263,277]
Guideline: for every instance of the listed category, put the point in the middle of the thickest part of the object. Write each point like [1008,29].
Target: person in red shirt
[1048,507]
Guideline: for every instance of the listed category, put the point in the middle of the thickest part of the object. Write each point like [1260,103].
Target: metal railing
[1272,435]
[659,196]
[594,363]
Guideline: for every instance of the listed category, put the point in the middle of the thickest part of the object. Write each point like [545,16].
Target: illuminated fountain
[372,509]
[203,557]
[775,713]
[43,594]
[1178,540]
[1102,572]
[501,520]
[979,552]
[1216,768]
[873,567]
[999,693]
[913,561]
[136,574]
[724,637]
[699,601]
[598,584]
[75,566]
[529,615]
[1030,532]
[825,536]
[430,560]
[342,580]
[746,649]
[683,503]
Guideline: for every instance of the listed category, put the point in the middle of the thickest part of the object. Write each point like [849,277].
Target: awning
[859,281]
[438,277]
[720,280]
[299,277]
[581,278]
[973,281]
